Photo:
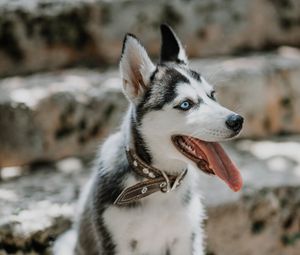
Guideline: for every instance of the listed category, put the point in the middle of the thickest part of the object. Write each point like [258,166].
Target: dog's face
[180,101]
[175,102]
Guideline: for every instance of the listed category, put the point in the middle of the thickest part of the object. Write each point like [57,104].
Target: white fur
[65,244]
[135,62]
[160,222]
[182,54]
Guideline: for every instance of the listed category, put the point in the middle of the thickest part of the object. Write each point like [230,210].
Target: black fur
[164,87]
[108,245]
[172,79]
[109,183]
[195,75]
[170,46]
[153,75]
[139,144]
[108,186]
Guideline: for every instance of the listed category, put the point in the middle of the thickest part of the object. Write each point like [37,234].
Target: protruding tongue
[221,164]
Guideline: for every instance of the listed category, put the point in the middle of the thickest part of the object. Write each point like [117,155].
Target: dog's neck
[156,151]
[162,151]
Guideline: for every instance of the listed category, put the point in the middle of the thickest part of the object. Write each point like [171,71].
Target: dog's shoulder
[111,168]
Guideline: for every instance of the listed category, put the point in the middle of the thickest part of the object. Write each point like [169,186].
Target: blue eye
[185,105]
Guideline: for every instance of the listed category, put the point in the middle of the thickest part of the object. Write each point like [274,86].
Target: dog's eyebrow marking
[163,90]
[175,77]
[195,75]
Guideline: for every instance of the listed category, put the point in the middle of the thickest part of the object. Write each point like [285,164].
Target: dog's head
[176,105]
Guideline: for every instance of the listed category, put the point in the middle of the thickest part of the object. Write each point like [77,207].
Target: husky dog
[144,197]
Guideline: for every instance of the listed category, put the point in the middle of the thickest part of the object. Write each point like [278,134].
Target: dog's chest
[163,223]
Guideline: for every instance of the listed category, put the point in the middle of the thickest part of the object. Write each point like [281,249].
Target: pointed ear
[135,67]
[171,48]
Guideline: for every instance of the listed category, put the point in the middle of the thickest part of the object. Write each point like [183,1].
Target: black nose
[234,122]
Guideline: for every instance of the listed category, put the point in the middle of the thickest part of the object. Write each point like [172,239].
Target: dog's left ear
[136,68]
[171,48]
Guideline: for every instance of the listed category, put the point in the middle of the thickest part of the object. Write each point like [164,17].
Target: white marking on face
[205,120]
[185,92]
[199,89]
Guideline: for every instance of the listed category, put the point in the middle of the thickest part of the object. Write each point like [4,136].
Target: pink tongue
[222,165]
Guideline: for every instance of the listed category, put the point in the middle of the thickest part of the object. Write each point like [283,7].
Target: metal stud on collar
[156,180]
[144,190]
[145,170]
[151,175]
[163,184]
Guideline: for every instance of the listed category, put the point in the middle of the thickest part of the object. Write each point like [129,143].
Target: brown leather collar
[157,180]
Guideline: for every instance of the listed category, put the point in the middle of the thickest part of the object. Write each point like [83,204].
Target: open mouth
[211,158]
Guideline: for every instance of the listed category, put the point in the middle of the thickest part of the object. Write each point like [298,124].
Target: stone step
[41,35]
[49,116]
[38,206]
[261,219]
[264,223]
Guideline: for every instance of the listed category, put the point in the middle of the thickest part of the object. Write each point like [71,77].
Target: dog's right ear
[135,67]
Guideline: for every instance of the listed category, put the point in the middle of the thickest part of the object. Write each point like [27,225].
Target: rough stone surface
[46,34]
[262,219]
[49,116]
[266,222]
[38,206]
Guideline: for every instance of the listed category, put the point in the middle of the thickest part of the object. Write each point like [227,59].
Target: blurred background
[60,96]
